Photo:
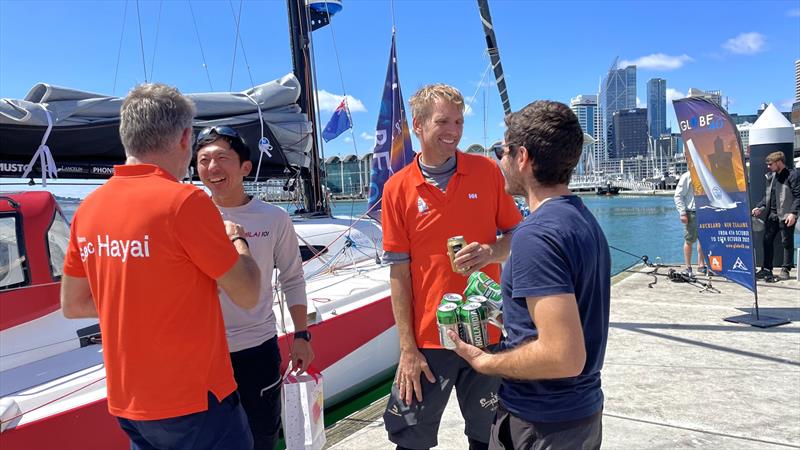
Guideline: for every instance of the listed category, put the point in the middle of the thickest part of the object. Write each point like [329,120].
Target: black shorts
[417,425]
[257,371]
[510,432]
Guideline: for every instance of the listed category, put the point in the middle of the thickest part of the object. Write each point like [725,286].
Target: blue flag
[340,121]
[392,149]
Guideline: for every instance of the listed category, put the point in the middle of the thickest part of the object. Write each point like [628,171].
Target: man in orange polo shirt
[443,193]
[146,255]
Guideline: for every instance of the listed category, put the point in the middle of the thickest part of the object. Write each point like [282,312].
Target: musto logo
[705,122]
[114,248]
[13,167]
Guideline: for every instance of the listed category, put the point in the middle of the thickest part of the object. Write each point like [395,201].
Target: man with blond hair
[441,194]
[779,209]
[146,255]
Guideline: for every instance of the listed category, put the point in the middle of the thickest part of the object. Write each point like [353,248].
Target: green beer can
[472,317]
[447,319]
[452,297]
[481,284]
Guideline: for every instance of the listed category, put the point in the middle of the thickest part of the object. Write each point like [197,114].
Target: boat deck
[676,375]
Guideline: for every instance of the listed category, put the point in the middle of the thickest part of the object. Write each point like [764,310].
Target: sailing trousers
[772,228]
[416,426]
[257,372]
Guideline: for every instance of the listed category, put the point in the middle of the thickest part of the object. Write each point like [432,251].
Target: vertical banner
[714,153]
[392,149]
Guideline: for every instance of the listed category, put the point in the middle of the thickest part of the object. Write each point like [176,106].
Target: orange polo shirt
[418,218]
[152,249]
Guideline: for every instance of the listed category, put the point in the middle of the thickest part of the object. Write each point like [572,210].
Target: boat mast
[299,36]
[494,53]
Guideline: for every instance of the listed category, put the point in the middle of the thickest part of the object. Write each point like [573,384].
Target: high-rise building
[618,92]
[585,107]
[630,133]
[657,106]
[796,104]
[796,107]
[744,134]
[714,96]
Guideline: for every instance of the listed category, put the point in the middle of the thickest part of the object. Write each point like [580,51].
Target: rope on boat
[54,400]
[346,230]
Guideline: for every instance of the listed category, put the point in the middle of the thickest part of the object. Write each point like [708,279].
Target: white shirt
[273,242]
[684,194]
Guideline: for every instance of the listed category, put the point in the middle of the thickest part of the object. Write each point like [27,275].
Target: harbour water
[640,225]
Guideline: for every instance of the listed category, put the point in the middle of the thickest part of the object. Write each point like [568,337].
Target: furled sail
[84,139]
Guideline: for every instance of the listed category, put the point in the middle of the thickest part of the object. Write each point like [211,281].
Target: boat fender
[8,410]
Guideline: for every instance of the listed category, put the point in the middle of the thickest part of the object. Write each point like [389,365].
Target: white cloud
[746,43]
[366,136]
[502,125]
[793,12]
[658,61]
[639,103]
[674,94]
[329,102]
[785,105]
[348,139]
[468,110]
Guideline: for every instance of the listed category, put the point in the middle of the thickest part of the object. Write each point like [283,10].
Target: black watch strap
[303,335]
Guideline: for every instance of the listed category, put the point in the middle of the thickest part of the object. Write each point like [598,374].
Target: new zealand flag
[340,121]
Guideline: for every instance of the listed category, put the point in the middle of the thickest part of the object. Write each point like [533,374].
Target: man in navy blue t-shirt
[556,293]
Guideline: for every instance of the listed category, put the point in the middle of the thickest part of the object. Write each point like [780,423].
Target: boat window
[12,268]
[57,242]
[309,251]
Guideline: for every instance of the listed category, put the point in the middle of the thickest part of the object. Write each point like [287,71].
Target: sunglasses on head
[221,130]
[499,149]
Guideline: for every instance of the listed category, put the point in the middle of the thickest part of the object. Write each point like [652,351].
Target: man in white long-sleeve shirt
[222,163]
[684,202]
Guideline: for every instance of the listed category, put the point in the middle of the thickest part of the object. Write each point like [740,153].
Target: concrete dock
[676,375]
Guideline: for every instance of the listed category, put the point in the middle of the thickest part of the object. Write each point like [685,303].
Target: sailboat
[52,379]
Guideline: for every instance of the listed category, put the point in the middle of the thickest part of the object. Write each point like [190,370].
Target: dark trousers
[222,426]
[772,228]
[257,371]
[510,432]
[416,426]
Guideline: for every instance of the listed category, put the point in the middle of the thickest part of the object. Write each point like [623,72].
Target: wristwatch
[303,335]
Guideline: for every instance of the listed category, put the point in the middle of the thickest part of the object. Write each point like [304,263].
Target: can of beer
[452,297]
[481,284]
[447,319]
[454,245]
[472,317]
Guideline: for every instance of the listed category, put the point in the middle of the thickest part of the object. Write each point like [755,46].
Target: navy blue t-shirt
[558,249]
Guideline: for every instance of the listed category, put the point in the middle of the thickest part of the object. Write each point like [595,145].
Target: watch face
[303,335]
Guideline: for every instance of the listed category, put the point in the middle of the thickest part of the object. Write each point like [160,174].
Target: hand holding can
[454,245]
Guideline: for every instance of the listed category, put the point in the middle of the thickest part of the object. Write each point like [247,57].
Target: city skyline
[748,53]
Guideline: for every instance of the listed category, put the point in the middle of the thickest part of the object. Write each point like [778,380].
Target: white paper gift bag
[302,414]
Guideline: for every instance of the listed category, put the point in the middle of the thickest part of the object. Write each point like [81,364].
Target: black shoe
[763,273]
[784,275]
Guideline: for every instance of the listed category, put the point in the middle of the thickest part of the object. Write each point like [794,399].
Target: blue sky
[553,50]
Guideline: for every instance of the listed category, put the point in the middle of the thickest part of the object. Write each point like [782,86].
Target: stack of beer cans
[470,318]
